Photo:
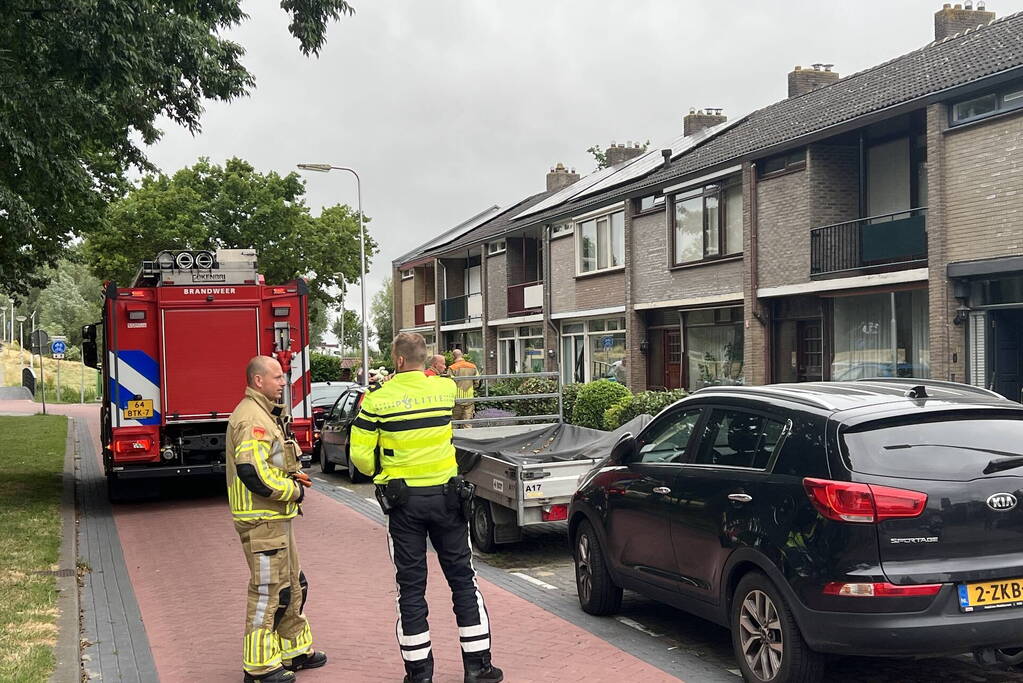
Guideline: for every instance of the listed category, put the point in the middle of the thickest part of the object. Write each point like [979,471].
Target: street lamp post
[21,337]
[326,168]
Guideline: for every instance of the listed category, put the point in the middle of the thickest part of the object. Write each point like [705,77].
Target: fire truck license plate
[136,410]
[990,595]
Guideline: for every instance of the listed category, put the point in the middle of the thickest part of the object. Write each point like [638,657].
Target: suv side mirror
[90,356]
[624,451]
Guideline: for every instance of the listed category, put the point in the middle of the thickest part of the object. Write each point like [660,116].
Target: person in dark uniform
[402,435]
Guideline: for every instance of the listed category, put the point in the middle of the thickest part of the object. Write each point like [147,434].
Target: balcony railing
[889,240]
[461,309]
[426,314]
[525,298]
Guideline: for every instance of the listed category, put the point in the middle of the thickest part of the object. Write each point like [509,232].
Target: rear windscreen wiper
[1012,460]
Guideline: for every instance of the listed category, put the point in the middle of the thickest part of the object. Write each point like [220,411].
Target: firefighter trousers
[463,411]
[276,630]
[422,517]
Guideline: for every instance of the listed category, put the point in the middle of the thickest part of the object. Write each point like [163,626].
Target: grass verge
[31,460]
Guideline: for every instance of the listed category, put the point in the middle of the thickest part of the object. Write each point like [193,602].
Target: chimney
[802,80]
[560,177]
[950,20]
[695,121]
[616,154]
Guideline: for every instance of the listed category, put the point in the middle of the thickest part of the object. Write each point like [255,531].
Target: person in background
[463,367]
[438,366]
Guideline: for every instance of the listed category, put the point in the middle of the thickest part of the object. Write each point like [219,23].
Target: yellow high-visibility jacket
[259,462]
[408,420]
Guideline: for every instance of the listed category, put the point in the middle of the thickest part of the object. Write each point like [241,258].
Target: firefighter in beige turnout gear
[265,488]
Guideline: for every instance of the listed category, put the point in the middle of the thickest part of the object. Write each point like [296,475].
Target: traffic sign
[39,340]
[58,348]
[607,341]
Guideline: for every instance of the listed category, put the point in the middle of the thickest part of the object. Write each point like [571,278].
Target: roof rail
[916,381]
[793,395]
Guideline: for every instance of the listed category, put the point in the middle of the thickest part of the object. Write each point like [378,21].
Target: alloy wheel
[583,569]
[761,635]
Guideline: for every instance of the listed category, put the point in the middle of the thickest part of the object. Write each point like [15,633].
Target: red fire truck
[175,348]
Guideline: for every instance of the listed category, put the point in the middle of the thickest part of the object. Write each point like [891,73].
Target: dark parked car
[321,398]
[870,518]
[336,431]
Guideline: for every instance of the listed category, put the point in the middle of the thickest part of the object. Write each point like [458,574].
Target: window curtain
[863,340]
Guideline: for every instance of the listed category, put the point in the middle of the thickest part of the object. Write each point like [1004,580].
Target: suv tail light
[847,501]
[881,590]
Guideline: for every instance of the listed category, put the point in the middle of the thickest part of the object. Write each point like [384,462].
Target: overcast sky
[446,108]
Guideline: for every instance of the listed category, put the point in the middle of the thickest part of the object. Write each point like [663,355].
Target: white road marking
[321,479]
[534,581]
[343,488]
[638,626]
[736,672]
[371,500]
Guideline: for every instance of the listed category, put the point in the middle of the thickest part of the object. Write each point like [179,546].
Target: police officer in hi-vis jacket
[265,487]
[402,435]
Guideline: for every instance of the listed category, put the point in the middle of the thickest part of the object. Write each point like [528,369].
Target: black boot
[310,660]
[281,675]
[478,669]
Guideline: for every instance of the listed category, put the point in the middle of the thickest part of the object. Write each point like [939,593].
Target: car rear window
[942,447]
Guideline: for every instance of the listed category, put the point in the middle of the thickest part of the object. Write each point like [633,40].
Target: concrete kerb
[67,652]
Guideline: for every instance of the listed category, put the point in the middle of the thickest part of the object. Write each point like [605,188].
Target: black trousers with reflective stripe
[409,526]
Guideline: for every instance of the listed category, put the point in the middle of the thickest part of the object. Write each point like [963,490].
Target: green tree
[600,155]
[207,206]
[348,330]
[82,87]
[71,299]
[382,315]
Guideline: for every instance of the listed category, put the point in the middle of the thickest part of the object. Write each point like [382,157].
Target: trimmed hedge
[593,401]
[324,367]
[648,402]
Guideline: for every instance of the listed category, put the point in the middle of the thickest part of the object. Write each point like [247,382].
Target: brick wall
[497,286]
[756,337]
[569,293]
[784,229]
[407,317]
[833,184]
[453,278]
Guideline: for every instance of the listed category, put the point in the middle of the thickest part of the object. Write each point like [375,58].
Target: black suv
[877,517]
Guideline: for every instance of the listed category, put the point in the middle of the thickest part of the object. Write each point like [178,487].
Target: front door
[640,502]
[809,351]
[1008,353]
[672,346]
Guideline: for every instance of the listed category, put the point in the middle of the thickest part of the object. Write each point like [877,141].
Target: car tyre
[597,591]
[481,526]
[326,466]
[354,474]
[768,645]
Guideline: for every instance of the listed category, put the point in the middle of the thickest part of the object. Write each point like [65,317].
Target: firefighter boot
[276,676]
[478,669]
[310,660]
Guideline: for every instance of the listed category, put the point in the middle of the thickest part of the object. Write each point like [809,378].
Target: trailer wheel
[354,474]
[481,526]
[326,466]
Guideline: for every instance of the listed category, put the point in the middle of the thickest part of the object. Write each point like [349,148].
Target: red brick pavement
[189,577]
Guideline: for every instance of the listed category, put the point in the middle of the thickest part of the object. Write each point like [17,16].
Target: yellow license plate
[136,410]
[991,594]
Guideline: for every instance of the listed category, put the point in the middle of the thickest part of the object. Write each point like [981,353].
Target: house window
[881,335]
[649,203]
[559,229]
[601,243]
[708,223]
[987,105]
[407,274]
[520,349]
[783,163]
[593,349]
[713,347]
[496,247]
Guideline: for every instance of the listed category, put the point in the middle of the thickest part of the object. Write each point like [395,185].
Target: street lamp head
[321,168]
[21,318]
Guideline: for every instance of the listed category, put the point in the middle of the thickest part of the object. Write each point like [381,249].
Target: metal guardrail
[553,418]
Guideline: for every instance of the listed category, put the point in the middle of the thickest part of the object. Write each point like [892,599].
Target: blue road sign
[58,346]
[607,341]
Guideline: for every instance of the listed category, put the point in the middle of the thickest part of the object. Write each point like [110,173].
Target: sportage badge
[1001,501]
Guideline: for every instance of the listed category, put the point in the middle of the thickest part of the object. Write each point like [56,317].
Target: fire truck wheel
[354,474]
[326,466]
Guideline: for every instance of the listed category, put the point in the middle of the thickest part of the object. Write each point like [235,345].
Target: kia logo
[1001,501]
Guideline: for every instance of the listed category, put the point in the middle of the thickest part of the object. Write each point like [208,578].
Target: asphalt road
[544,555]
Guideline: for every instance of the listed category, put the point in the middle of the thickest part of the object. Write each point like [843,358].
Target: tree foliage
[207,206]
[82,86]
[348,330]
[600,154]
[382,316]
[69,298]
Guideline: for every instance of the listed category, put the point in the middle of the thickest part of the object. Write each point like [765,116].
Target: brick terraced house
[867,225]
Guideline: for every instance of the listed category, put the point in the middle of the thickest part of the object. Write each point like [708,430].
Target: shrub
[569,393]
[324,368]
[536,406]
[594,399]
[613,415]
[648,402]
[501,387]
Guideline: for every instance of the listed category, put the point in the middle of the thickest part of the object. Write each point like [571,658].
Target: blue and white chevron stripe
[133,373]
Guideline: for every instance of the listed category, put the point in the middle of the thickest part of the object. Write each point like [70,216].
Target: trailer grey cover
[522,446]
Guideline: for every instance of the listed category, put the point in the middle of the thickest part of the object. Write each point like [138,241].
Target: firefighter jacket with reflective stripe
[407,423]
[463,368]
[259,462]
